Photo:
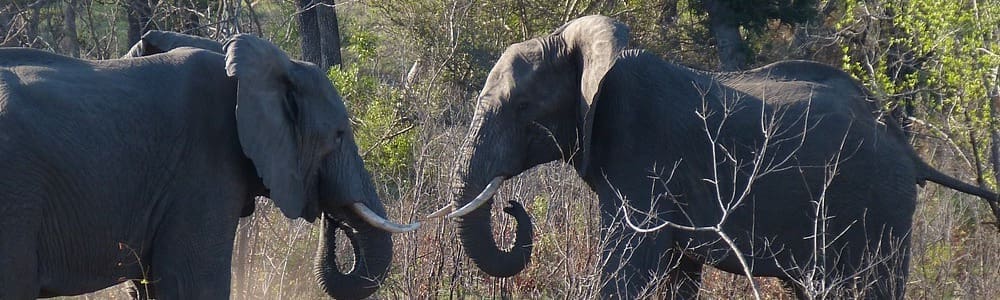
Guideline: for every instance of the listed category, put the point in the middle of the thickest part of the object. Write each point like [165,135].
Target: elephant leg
[192,255]
[191,268]
[685,278]
[19,254]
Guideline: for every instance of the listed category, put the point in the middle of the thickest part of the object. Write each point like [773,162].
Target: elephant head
[537,106]
[294,127]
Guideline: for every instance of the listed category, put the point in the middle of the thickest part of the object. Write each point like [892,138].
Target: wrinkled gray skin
[624,119]
[140,168]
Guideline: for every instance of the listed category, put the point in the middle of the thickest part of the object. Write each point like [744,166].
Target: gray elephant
[156,42]
[789,158]
[140,168]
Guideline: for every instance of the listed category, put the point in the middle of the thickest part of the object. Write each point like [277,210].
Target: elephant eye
[339,135]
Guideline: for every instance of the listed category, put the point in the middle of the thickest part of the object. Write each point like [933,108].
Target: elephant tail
[925,171]
[929,173]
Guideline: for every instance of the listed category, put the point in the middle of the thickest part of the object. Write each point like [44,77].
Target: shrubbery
[382,129]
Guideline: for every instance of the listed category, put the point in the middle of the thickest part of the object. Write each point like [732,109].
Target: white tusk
[441,212]
[487,193]
[379,222]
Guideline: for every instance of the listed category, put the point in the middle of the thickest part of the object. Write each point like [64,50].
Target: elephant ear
[155,42]
[595,42]
[265,132]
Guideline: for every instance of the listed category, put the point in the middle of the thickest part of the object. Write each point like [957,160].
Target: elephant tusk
[379,222]
[441,212]
[487,193]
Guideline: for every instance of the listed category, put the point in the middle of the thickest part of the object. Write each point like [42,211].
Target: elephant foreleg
[182,272]
[192,254]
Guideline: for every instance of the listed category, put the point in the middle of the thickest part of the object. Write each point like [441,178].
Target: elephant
[156,41]
[788,161]
[140,168]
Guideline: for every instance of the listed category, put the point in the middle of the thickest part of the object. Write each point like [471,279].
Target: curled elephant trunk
[372,258]
[476,233]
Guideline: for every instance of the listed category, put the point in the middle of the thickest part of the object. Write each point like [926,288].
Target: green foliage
[951,42]
[362,44]
[274,20]
[466,37]
[755,14]
[383,133]
[938,255]
[937,56]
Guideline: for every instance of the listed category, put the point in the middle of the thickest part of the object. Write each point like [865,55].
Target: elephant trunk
[476,228]
[372,258]
[476,233]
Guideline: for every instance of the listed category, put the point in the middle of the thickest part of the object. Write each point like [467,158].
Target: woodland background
[409,71]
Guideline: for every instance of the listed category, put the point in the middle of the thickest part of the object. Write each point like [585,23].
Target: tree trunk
[329,30]
[70,43]
[728,41]
[139,15]
[309,32]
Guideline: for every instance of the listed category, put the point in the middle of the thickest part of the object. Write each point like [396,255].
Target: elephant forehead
[517,66]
